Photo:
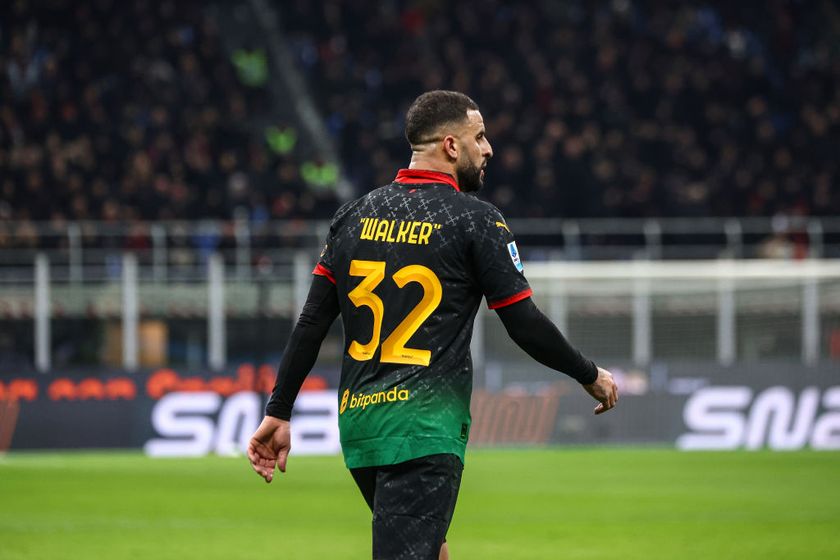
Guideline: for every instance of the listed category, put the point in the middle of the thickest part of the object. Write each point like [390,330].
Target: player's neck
[431,164]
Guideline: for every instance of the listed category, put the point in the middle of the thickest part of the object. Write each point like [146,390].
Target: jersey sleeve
[496,260]
[324,266]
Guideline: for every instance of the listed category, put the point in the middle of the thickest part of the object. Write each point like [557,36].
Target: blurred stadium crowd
[620,108]
[127,111]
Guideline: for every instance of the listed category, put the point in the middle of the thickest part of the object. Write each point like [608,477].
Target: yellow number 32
[394,350]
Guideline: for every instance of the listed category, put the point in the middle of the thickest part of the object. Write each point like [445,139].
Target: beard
[469,177]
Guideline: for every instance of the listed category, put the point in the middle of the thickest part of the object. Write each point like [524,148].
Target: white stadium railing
[803,288]
[88,250]
[634,311]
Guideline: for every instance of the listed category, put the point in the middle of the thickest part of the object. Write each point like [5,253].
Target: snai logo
[362,400]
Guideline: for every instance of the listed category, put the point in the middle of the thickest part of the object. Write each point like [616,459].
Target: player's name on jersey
[397,231]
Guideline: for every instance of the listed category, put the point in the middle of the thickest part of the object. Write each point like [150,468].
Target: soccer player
[406,267]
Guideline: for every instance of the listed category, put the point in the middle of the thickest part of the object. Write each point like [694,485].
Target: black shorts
[412,505]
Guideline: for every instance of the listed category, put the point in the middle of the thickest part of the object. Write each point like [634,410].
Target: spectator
[619,108]
[131,112]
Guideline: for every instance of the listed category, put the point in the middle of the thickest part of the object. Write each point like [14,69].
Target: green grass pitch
[514,504]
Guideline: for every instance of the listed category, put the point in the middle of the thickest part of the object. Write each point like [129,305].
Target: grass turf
[514,504]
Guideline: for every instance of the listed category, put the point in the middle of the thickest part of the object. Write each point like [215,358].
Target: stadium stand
[620,108]
[131,111]
[141,139]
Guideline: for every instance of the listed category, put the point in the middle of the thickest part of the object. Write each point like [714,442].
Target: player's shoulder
[361,206]
[478,212]
[352,207]
[482,205]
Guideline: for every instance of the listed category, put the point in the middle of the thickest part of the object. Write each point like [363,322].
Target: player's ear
[450,146]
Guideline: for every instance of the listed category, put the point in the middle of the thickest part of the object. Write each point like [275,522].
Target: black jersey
[411,262]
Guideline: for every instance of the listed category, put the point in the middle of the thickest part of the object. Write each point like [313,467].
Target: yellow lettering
[381,231]
[394,350]
[397,231]
[368,229]
[403,231]
[362,295]
[363,401]
[425,232]
[412,236]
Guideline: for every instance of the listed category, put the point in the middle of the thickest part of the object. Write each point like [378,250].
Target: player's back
[411,261]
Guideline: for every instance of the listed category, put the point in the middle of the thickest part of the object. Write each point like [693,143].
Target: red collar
[417,176]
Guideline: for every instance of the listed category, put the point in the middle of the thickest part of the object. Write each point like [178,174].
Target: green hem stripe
[392,450]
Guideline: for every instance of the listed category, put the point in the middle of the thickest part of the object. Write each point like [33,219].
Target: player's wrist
[589,375]
[278,413]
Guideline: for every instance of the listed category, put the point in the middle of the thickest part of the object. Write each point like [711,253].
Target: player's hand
[269,447]
[604,390]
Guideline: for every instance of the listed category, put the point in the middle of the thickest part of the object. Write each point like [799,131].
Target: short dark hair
[433,109]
